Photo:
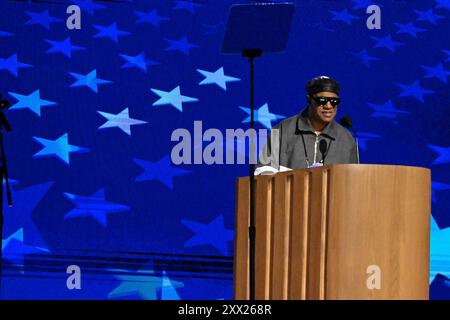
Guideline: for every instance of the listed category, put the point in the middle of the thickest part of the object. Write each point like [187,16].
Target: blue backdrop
[93,111]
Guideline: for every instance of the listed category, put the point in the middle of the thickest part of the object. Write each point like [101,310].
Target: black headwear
[322,84]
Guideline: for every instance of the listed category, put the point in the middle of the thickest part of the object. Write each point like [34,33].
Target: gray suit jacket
[285,146]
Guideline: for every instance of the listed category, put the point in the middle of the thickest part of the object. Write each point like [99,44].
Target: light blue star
[32,101]
[90,80]
[19,216]
[44,19]
[18,235]
[443,4]
[414,90]
[110,32]
[59,148]
[428,15]
[217,77]
[438,72]
[214,234]
[88,5]
[168,291]
[94,206]
[12,65]
[121,120]
[408,28]
[6,34]
[140,61]
[436,187]
[447,52]
[439,240]
[263,116]
[188,5]
[344,16]
[173,98]
[151,17]
[181,44]
[363,137]
[162,170]
[65,47]
[364,57]
[145,285]
[386,110]
[386,42]
[444,154]
[14,249]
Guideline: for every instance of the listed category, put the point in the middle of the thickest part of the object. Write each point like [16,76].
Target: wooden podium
[343,231]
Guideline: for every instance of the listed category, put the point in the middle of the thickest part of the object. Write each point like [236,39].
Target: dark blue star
[436,187]
[440,284]
[443,4]
[363,4]
[65,47]
[6,34]
[186,5]
[162,170]
[19,215]
[44,19]
[214,234]
[111,32]
[438,72]
[444,154]
[12,64]
[364,57]
[386,110]
[408,28]
[414,90]
[151,17]
[88,5]
[447,52]
[140,61]
[182,45]
[344,16]
[89,80]
[386,42]
[14,249]
[59,148]
[363,137]
[94,206]
[428,15]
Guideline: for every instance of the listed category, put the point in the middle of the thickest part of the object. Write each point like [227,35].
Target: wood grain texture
[318,230]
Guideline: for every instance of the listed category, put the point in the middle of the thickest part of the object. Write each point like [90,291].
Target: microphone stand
[4,124]
[251,54]
[357,144]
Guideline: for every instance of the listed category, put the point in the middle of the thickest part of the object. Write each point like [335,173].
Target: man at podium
[311,138]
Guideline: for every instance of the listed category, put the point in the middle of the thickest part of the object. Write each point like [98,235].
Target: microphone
[346,121]
[323,149]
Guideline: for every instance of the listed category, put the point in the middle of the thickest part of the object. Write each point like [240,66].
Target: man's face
[324,113]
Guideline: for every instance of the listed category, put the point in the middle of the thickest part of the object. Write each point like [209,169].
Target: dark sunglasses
[321,101]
